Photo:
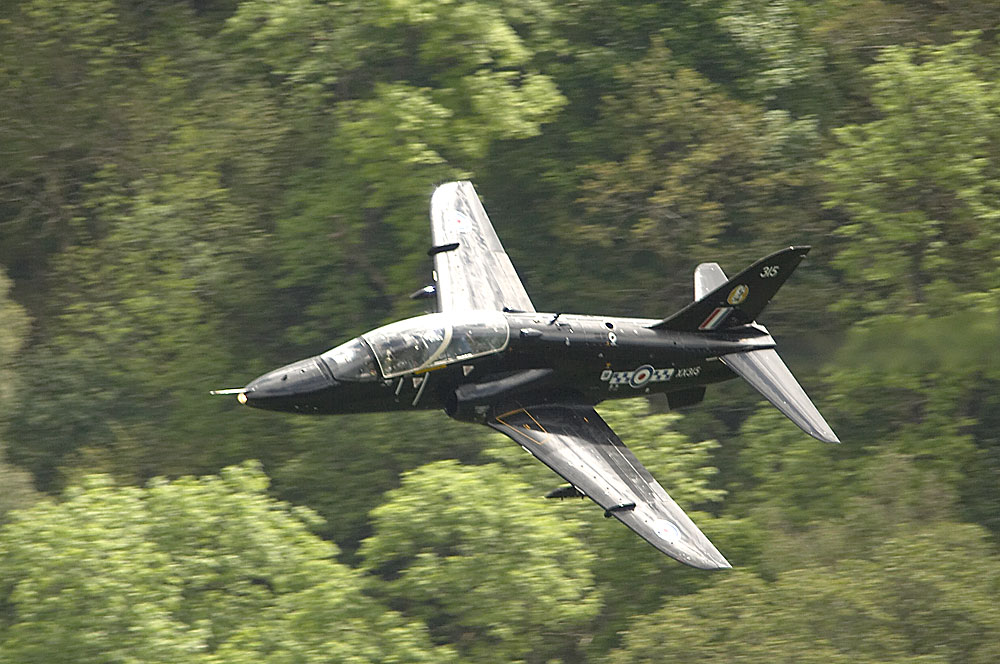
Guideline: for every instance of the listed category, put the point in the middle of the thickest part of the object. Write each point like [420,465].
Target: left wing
[472,270]
[576,443]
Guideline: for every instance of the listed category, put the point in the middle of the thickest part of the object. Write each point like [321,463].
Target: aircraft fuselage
[590,358]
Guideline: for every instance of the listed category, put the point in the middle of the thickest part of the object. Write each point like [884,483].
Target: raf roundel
[738,294]
[462,223]
[667,531]
[641,376]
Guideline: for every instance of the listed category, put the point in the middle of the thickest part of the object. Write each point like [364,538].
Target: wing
[472,271]
[577,444]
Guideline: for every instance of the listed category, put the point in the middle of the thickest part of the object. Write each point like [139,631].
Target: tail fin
[737,301]
[741,299]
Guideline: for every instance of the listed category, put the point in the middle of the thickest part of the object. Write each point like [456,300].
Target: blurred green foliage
[207,570]
[192,193]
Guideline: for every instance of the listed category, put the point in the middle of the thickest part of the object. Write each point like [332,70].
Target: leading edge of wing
[576,443]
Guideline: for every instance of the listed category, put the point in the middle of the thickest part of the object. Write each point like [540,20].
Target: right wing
[472,270]
[576,443]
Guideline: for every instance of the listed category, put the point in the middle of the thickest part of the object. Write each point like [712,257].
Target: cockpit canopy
[419,343]
[437,339]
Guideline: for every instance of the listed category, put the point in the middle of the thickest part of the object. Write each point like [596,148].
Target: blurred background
[194,192]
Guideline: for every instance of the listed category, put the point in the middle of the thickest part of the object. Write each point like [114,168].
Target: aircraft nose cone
[292,387]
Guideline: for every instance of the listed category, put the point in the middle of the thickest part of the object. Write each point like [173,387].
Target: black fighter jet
[488,357]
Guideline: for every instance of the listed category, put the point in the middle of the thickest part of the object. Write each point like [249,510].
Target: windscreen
[351,361]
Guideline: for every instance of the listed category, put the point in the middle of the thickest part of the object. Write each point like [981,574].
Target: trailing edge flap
[577,444]
[737,301]
[768,374]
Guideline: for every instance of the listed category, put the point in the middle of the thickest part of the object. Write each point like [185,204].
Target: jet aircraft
[486,356]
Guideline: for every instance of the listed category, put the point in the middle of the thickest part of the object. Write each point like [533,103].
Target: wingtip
[710,565]
[707,558]
[824,434]
[716,564]
[722,562]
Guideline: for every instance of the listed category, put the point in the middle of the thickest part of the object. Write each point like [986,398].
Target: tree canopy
[192,193]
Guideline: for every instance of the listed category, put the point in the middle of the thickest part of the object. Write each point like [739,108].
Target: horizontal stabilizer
[737,301]
[768,374]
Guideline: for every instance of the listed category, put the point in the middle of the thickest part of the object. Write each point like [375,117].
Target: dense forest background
[194,192]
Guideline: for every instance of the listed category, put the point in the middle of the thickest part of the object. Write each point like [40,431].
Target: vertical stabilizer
[737,301]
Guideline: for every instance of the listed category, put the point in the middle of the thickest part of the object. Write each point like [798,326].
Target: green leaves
[203,569]
[193,193]
[687,168]
[13,334]
[918,185]
[17,486]
[922,597]
[393,97]
[486,563]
